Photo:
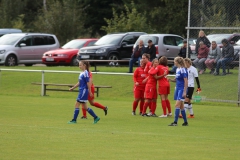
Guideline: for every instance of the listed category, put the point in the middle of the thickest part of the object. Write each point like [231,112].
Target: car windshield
[74,44]
[218,37]
[9,39]
[109,39]
[146,38]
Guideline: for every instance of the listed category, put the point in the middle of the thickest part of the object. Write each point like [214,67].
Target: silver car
[25,48]
[167,45]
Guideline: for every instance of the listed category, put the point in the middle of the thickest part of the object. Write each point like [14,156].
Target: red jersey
[147,67]
[151,80]
[161,70]
[90,76]
[138,76]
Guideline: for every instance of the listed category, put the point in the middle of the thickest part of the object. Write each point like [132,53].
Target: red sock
[146,104]
[164,107]
[168,106]
[135,104]
[98,105]
[153,107]
[141,105]
[84,112]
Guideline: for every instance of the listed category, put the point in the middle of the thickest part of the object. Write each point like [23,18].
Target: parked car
[25,48]
[9,30]
[67,54]
[167,45]
[111,46]
[232,38]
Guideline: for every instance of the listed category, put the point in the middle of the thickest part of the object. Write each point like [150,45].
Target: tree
[130,20]
[64,19]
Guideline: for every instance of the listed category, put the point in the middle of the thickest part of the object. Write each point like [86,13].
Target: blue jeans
[132,61]
[222,63]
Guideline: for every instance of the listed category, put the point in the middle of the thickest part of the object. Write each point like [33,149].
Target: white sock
[190,109]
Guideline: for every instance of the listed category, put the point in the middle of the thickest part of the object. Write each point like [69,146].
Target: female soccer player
[192,73]
[150,93]
[164,86]
[84,88]
[91,100]
[180,90]
[139,87]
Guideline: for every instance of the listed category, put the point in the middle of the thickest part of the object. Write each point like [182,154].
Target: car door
[25,52]
[170,46]
[40,46]
[127,43]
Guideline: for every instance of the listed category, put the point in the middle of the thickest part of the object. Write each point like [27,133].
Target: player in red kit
[163,86]
[139,87]
[91,100]
[150,93]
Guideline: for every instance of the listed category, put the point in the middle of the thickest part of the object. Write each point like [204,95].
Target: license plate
[49,59]
[84,56]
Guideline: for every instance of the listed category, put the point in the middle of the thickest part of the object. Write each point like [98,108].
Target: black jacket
[227,51]
[151,51]
[183,52]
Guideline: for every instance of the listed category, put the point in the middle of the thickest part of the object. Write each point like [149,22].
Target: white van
[25,48]
[9,30]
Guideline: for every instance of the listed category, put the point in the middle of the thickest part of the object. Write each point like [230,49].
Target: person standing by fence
[136,55]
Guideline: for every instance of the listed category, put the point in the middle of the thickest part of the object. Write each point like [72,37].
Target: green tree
[130,20]
[64,19]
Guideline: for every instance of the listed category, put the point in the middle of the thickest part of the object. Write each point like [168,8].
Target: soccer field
[35,127]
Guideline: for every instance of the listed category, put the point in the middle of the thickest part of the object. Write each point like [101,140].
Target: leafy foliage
[130,20]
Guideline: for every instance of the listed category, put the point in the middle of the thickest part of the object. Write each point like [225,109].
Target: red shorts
[164,90]
[138,92]
[89,97]
[150,92]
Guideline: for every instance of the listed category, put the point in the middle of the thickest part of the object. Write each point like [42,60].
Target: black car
[111,46]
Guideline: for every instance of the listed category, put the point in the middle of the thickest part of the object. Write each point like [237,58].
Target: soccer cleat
[133,113]
[83,117]
[169,114]
[190,116]
[163,116]
[185,124]
[154,115]
[145,115]
[173,124]
[149,114]
[105,110]
[72,121]
[96,120]
[180,116]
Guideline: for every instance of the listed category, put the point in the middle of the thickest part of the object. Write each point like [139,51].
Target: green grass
[35,127]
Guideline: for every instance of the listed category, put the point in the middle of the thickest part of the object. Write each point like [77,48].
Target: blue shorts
[82,96]
[178,94]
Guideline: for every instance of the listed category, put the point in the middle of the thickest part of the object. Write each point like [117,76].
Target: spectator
[151,50]
[183,54]
[226,57]
[136,55]
[201,57]
[202,37]
[213,56]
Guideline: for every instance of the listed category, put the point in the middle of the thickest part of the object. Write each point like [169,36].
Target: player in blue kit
[181,80]
[84,88]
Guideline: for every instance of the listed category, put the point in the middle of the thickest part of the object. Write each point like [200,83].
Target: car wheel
[74,61]
[11,60]
[113,57]
[28,65]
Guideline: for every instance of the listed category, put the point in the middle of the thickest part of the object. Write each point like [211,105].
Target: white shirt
[192,73]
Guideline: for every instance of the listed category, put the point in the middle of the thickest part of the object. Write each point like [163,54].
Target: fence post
[42,92]
[238,79]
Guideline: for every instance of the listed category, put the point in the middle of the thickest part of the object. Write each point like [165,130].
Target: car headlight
[62,55]
[102,50]
[2,51]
